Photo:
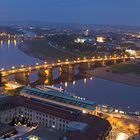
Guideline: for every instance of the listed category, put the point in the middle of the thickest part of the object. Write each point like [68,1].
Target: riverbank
[23,47]
[102,72]
[42,50]
[125,78]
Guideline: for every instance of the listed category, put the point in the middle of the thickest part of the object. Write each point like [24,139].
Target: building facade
[50,115]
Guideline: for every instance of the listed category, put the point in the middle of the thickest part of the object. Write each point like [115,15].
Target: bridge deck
[57,64]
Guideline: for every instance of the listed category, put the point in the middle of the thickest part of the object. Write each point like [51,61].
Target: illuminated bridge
[59,63]
[60,98]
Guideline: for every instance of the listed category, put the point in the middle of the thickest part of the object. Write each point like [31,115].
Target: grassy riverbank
[43,48]
[126,68]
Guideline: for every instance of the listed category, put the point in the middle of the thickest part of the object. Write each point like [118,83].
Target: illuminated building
[133,51]
[80,40]
[100,39]
[83,40]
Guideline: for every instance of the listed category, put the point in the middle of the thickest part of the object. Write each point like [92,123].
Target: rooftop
[5,128]
[58,96]
[55,93]
[43,133]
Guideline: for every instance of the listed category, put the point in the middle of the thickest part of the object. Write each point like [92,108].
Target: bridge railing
[22,68]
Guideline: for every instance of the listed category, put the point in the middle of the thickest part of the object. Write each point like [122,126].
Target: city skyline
[92,11]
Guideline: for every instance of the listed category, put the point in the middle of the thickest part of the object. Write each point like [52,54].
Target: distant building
[87,32]
[83,40]
[133,51]
[100,39]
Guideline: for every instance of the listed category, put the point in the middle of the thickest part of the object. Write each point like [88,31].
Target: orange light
[47,72]
[59,61]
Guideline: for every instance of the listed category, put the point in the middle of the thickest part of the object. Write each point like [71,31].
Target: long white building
[54,116]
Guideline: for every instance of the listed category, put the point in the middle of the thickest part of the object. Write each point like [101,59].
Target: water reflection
[1,43]
[74,82]
[10,55]
[9,42]
[91,78]
[15,43]
[85,81]
[66,84]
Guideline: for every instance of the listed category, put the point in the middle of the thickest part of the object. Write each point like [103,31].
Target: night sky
[122,12]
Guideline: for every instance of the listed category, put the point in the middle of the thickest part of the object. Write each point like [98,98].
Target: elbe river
[99,90]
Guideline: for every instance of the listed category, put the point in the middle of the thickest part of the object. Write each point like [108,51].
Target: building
[60,98]
[6,129]
[133,51]
[100,39]
[86,33]
[83,39]
[43,133]
[71,122]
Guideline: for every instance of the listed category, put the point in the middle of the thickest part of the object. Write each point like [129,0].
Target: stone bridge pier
[67,72]
[67,69]
[46,75]
[85,66]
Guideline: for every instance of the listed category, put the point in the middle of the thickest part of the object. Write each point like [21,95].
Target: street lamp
[22,66]
[59,61]
[2,69]
[13,67]
[131,125]
[37,63]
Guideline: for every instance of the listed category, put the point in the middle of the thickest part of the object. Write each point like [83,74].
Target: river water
[10,55]
[98,90]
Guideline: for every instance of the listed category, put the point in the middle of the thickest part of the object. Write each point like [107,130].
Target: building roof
[44,133]
[5,128]
[62,97]
[57,94]
[97,128]
[6,106]
[52,110]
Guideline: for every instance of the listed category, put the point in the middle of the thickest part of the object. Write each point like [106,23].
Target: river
[10,55]
[98,90]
